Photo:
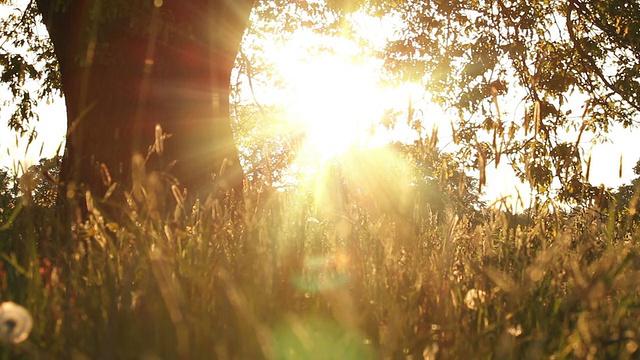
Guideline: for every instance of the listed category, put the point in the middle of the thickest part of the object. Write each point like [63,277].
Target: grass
[282,279]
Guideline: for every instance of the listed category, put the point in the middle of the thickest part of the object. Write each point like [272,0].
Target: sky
[16,153]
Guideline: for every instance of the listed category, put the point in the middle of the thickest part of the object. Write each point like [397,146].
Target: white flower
[474,298]
[15,322]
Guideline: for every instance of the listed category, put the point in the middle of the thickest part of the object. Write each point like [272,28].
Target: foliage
[546,56]
[26,200]
[625,200]
[41,182]
[28,67]
[8,195]
[441,181]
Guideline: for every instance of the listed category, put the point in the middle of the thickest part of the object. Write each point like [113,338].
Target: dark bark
[128,66]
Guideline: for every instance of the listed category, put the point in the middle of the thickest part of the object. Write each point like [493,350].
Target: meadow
[280,277]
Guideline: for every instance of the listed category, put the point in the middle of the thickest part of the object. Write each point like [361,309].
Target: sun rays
[332,94]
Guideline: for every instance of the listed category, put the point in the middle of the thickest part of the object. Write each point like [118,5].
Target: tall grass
[277,278]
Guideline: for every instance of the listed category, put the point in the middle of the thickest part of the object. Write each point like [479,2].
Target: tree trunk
[127,67]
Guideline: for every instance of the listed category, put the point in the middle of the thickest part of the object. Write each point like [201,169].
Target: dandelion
[15,322]
[474,298]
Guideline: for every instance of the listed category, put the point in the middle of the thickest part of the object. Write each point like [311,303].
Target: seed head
[15,323]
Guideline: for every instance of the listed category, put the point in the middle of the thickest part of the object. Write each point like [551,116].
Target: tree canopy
[572,67]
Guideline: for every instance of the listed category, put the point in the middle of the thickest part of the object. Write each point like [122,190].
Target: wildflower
[474,298]
[15,322]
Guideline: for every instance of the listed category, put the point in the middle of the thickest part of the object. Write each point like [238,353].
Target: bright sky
[16,153]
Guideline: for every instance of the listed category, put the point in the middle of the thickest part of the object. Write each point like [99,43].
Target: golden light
[337,103]
[328,95]
[330,99]
[334,98]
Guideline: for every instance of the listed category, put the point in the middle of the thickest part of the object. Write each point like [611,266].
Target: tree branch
[591,62]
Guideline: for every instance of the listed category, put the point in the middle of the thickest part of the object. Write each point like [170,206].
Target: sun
[325,122]
[336,103]
[333,94]
[328,106]
[330,97]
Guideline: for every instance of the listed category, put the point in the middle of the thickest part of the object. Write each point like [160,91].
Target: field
[281,276]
